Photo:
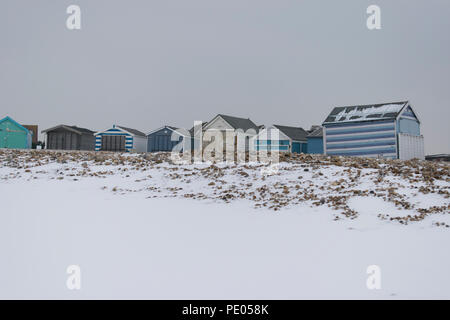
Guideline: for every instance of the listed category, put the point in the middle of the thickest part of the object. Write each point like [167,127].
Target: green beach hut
[13,135]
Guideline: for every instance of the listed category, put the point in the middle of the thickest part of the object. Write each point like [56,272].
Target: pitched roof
[191,130]
[316,133]
[71,128]
[240,123]
[133,131]
[83,130]
[295,133]
[7,118]
[178,130]
[365,112]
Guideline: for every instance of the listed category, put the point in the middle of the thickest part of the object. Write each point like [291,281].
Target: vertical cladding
[138,144]
[113,132]
[315,145]
[69,138]
[410,146]
[161,140]
[370,139]
[86,142]
[299,147]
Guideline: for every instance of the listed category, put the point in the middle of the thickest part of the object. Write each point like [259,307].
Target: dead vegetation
[316,180]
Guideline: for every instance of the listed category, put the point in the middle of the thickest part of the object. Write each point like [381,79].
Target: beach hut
[282,138]
[64,137]
[122,139]
[166,138]
[13,135]
[315,140]
[388,130]
[225,123]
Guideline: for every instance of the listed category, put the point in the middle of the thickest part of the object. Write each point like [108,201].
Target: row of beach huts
[388,130]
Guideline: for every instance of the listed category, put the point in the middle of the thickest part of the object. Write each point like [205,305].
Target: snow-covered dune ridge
[406,191]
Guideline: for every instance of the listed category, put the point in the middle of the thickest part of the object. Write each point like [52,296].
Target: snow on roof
[366,112]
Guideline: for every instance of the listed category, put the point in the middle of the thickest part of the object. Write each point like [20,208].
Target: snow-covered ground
[141,227]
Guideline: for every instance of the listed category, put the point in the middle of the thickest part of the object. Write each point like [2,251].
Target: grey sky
[143,64]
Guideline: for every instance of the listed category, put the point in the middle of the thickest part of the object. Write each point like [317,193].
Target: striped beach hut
[282,139]
[388,130]
[121,139]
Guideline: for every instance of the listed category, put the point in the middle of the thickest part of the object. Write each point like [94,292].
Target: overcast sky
[143,64]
